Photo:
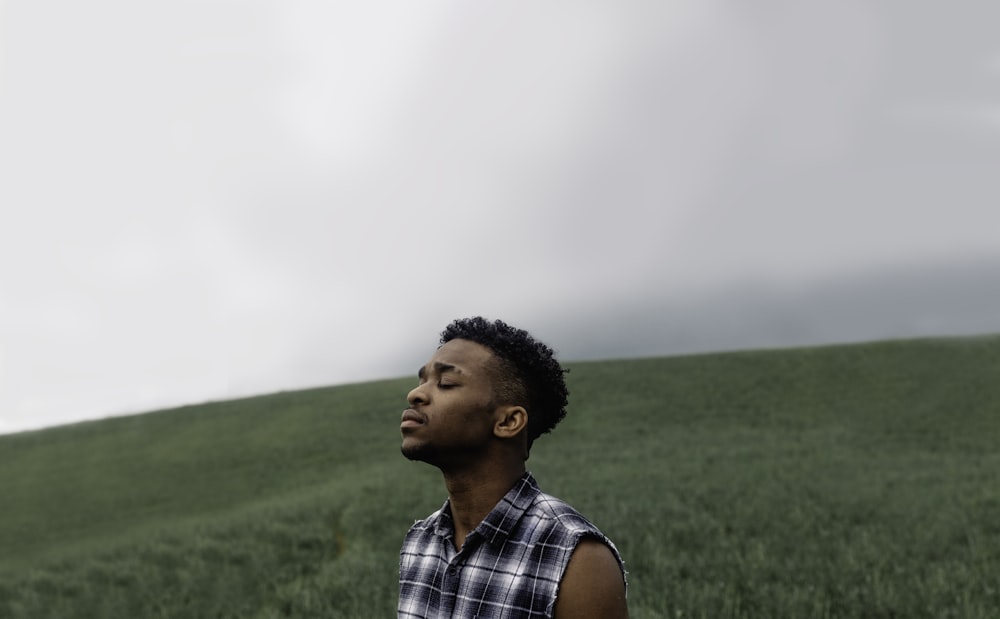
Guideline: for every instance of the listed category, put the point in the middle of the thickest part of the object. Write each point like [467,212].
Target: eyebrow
[439,367]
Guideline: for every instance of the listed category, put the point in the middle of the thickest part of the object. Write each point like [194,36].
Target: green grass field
[847,481]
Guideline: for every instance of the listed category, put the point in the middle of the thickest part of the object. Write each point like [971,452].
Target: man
[498,547]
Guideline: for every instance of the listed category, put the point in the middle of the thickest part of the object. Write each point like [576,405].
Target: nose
[417,395]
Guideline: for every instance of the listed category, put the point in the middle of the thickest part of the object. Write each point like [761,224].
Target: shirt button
[452,570]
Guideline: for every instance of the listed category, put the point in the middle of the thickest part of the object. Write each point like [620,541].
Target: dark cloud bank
[952,299]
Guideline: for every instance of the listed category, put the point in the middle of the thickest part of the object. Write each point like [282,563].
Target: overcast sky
[205,200]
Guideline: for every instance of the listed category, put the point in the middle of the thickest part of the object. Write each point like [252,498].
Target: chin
[413,452]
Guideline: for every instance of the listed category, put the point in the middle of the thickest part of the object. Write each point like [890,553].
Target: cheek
[473,418]
[482,419]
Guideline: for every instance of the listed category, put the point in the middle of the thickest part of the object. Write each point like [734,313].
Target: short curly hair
[528,373]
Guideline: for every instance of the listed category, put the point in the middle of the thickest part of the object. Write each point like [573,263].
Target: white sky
[203,200]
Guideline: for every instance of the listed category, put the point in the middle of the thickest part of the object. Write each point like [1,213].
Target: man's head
[525,372]
[489,389]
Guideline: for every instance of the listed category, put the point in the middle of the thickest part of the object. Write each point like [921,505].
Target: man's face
[450,418]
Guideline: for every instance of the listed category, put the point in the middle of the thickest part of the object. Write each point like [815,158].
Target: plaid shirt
[509,566]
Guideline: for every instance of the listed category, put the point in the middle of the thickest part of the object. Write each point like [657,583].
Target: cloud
[952,297]
[202,202]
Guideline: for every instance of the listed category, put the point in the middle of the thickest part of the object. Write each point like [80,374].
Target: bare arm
[593,585]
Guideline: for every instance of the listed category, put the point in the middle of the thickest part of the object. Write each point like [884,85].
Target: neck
[472,494]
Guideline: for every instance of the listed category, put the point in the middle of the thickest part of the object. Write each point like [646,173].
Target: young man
[498,547]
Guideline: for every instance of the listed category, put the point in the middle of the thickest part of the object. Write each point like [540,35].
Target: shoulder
[561,515]
[428,523]
[424,530]
[593,584]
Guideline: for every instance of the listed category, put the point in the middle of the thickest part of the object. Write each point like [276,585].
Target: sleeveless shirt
[509,567]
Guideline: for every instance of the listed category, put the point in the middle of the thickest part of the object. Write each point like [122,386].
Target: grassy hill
[847,481]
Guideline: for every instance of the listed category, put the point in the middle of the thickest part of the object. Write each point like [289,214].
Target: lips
[411,419]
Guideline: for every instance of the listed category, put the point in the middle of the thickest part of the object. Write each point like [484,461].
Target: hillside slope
[858,480]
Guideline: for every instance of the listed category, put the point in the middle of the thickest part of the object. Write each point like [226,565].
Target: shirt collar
[497,526]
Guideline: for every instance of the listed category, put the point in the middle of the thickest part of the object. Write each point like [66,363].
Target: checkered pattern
[509,566]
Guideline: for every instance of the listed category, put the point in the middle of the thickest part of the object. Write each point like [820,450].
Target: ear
[511,421]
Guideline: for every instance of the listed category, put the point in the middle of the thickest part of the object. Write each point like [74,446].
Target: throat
[472,498]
